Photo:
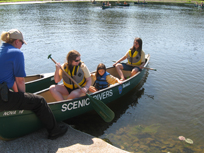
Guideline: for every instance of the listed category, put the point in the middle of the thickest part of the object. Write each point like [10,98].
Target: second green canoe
[35,83]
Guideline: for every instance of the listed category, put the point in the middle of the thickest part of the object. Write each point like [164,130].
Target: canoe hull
[36,83]
[201,7]
[106,7]
[14,124]
[123,4]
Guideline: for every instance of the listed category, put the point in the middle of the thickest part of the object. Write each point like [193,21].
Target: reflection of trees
[92,123]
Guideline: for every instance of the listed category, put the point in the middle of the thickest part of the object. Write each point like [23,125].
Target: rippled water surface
[168,102]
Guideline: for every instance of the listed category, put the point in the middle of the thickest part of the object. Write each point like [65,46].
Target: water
[167,104]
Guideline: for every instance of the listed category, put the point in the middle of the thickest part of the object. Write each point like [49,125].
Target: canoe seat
[32,78]
[47,95]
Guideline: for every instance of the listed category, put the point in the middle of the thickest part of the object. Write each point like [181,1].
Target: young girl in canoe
[135,57]
[102,79]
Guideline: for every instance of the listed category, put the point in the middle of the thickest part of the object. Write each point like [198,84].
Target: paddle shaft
[149,68]
[66,73]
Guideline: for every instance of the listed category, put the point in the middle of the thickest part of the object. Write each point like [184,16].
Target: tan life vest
[77,74]
[134,59]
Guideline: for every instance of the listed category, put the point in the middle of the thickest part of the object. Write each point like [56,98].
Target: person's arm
[122,59]
[88,84]
[58,71]
[93,75]
[142,60]
[87,75]
[112,80]
[142,65]
[15,88]
[19,72]
[20,82]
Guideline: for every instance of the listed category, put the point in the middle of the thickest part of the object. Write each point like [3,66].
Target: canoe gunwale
[41,77]
[39,82]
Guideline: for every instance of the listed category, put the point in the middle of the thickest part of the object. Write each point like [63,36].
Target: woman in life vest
[78,71]
[135,57]
[102,79]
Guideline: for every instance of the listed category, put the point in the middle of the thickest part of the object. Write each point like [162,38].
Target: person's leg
[119,68]
[37,104]
[75,94]
[58,91]
[134,71]
[44,113]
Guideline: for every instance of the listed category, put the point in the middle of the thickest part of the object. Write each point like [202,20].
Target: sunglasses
[22,42]
[77,60]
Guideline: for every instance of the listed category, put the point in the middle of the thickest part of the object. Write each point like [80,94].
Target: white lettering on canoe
[75,104]
[13,112]
[125,85]
[9,113]
[20,111]
[104,95]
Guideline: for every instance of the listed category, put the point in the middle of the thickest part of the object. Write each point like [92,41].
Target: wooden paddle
[101,108]
[144,67]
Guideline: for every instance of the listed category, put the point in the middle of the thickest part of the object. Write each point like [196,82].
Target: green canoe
[201,7]
[14,124]
[106,6]
[39,82]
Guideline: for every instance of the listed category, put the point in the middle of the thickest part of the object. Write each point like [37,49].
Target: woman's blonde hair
[5,36]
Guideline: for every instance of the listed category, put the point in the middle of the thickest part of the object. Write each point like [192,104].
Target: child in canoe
[102,79]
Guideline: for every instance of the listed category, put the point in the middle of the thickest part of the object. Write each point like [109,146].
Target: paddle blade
[49,56]
[102,109]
